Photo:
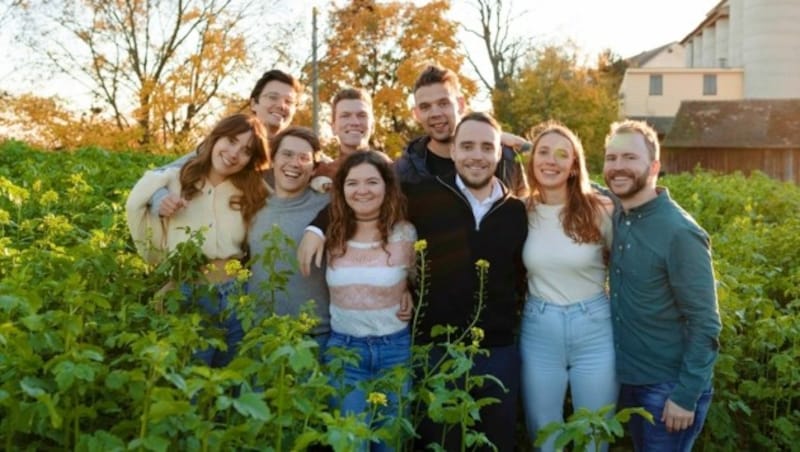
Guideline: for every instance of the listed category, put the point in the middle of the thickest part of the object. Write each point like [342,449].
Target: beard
[639,181]
[476,184]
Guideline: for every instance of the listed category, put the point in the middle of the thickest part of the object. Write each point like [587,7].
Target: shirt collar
[497,191]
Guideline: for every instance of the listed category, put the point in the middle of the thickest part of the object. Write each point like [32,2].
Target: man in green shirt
[663,298]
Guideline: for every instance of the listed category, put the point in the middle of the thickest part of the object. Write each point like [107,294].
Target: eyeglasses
[303,157]
[277,98]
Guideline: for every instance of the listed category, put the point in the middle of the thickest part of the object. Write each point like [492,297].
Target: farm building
[742,135]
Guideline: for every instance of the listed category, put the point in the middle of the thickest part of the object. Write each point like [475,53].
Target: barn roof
[747,124]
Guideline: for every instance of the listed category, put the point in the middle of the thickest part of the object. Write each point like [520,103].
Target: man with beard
[467,216]
[438,107]
[663,298]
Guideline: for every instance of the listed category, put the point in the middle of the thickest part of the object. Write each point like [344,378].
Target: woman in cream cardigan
[218,193]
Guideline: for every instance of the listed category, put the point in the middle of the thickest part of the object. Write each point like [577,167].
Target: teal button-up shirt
[663,299]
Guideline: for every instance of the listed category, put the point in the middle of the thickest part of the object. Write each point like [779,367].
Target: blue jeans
[214,303]
[566,345]
[497,420]
[649,437]
[377,355]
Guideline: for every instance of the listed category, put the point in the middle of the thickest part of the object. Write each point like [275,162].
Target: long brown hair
[342,225]
[580,217]
[249,180]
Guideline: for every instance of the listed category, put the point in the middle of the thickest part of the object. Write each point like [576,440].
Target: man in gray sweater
[290,207]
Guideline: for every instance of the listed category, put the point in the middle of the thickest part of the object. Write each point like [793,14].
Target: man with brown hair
[438,107]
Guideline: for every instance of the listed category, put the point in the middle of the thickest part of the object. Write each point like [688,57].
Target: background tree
[155,65]
[381,47]
[554,85]
[505,51]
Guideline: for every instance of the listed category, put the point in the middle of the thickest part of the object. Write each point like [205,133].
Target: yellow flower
[477,335]
[377,398]
[49,197]
[5,217]
[482,264]
[232,267]
[420,246]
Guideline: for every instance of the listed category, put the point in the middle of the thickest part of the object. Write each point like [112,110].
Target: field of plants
[86,362]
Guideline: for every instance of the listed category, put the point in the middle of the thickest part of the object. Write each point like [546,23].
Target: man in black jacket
[438,107]
[466,217]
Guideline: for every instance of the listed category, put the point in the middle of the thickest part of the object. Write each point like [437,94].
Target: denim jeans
[566,345]
[214,303]
[376,356]
[497,420]
[649,437]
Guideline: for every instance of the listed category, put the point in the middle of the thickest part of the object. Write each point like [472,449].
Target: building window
[656,85]
[710,84]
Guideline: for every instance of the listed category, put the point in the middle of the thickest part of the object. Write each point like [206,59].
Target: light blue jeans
[566,345]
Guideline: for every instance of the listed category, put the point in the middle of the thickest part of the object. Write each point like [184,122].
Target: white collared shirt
[480,208]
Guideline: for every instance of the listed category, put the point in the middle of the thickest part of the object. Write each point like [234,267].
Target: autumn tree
[554,85]
[155,65]
[382,47]
[47,123]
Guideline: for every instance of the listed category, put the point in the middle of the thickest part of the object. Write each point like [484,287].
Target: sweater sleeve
[691,277]
[147,230]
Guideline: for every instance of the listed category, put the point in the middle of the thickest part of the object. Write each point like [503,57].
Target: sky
[627,27]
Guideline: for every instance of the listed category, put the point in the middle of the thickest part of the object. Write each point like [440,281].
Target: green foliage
[584,428]
[755,232]
[87,364]
[554,84]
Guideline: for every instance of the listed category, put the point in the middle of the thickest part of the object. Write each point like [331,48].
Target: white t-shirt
[561,271]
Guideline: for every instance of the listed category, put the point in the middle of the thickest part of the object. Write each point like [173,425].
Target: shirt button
[209,191]
[619,247]
[617,271]
[627,223]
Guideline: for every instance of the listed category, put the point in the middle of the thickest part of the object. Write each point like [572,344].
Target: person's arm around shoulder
[161,203]
[605,219]
[312,244]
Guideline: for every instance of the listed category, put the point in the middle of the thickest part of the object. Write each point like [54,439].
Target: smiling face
[275,106]
[438,108]
[476,153]
[628,169]
[294,164]
[229,156]
[353,124]
[364,191]
[553,161]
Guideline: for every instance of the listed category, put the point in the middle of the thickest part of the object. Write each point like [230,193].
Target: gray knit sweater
[291,215]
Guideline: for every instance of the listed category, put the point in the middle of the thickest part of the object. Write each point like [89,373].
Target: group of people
[607,292]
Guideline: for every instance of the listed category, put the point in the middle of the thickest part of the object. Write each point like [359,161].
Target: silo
[771,49]
[723,26]
[709,47]
[735,29]
[697,50]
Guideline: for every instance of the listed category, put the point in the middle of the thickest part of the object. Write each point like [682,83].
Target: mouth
[439,126]
[227,161]
[291,174]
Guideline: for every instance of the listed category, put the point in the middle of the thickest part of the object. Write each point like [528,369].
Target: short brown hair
[480,117]
[435,74]
[275,75]
[304,133]
[350,94]
[632,126]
